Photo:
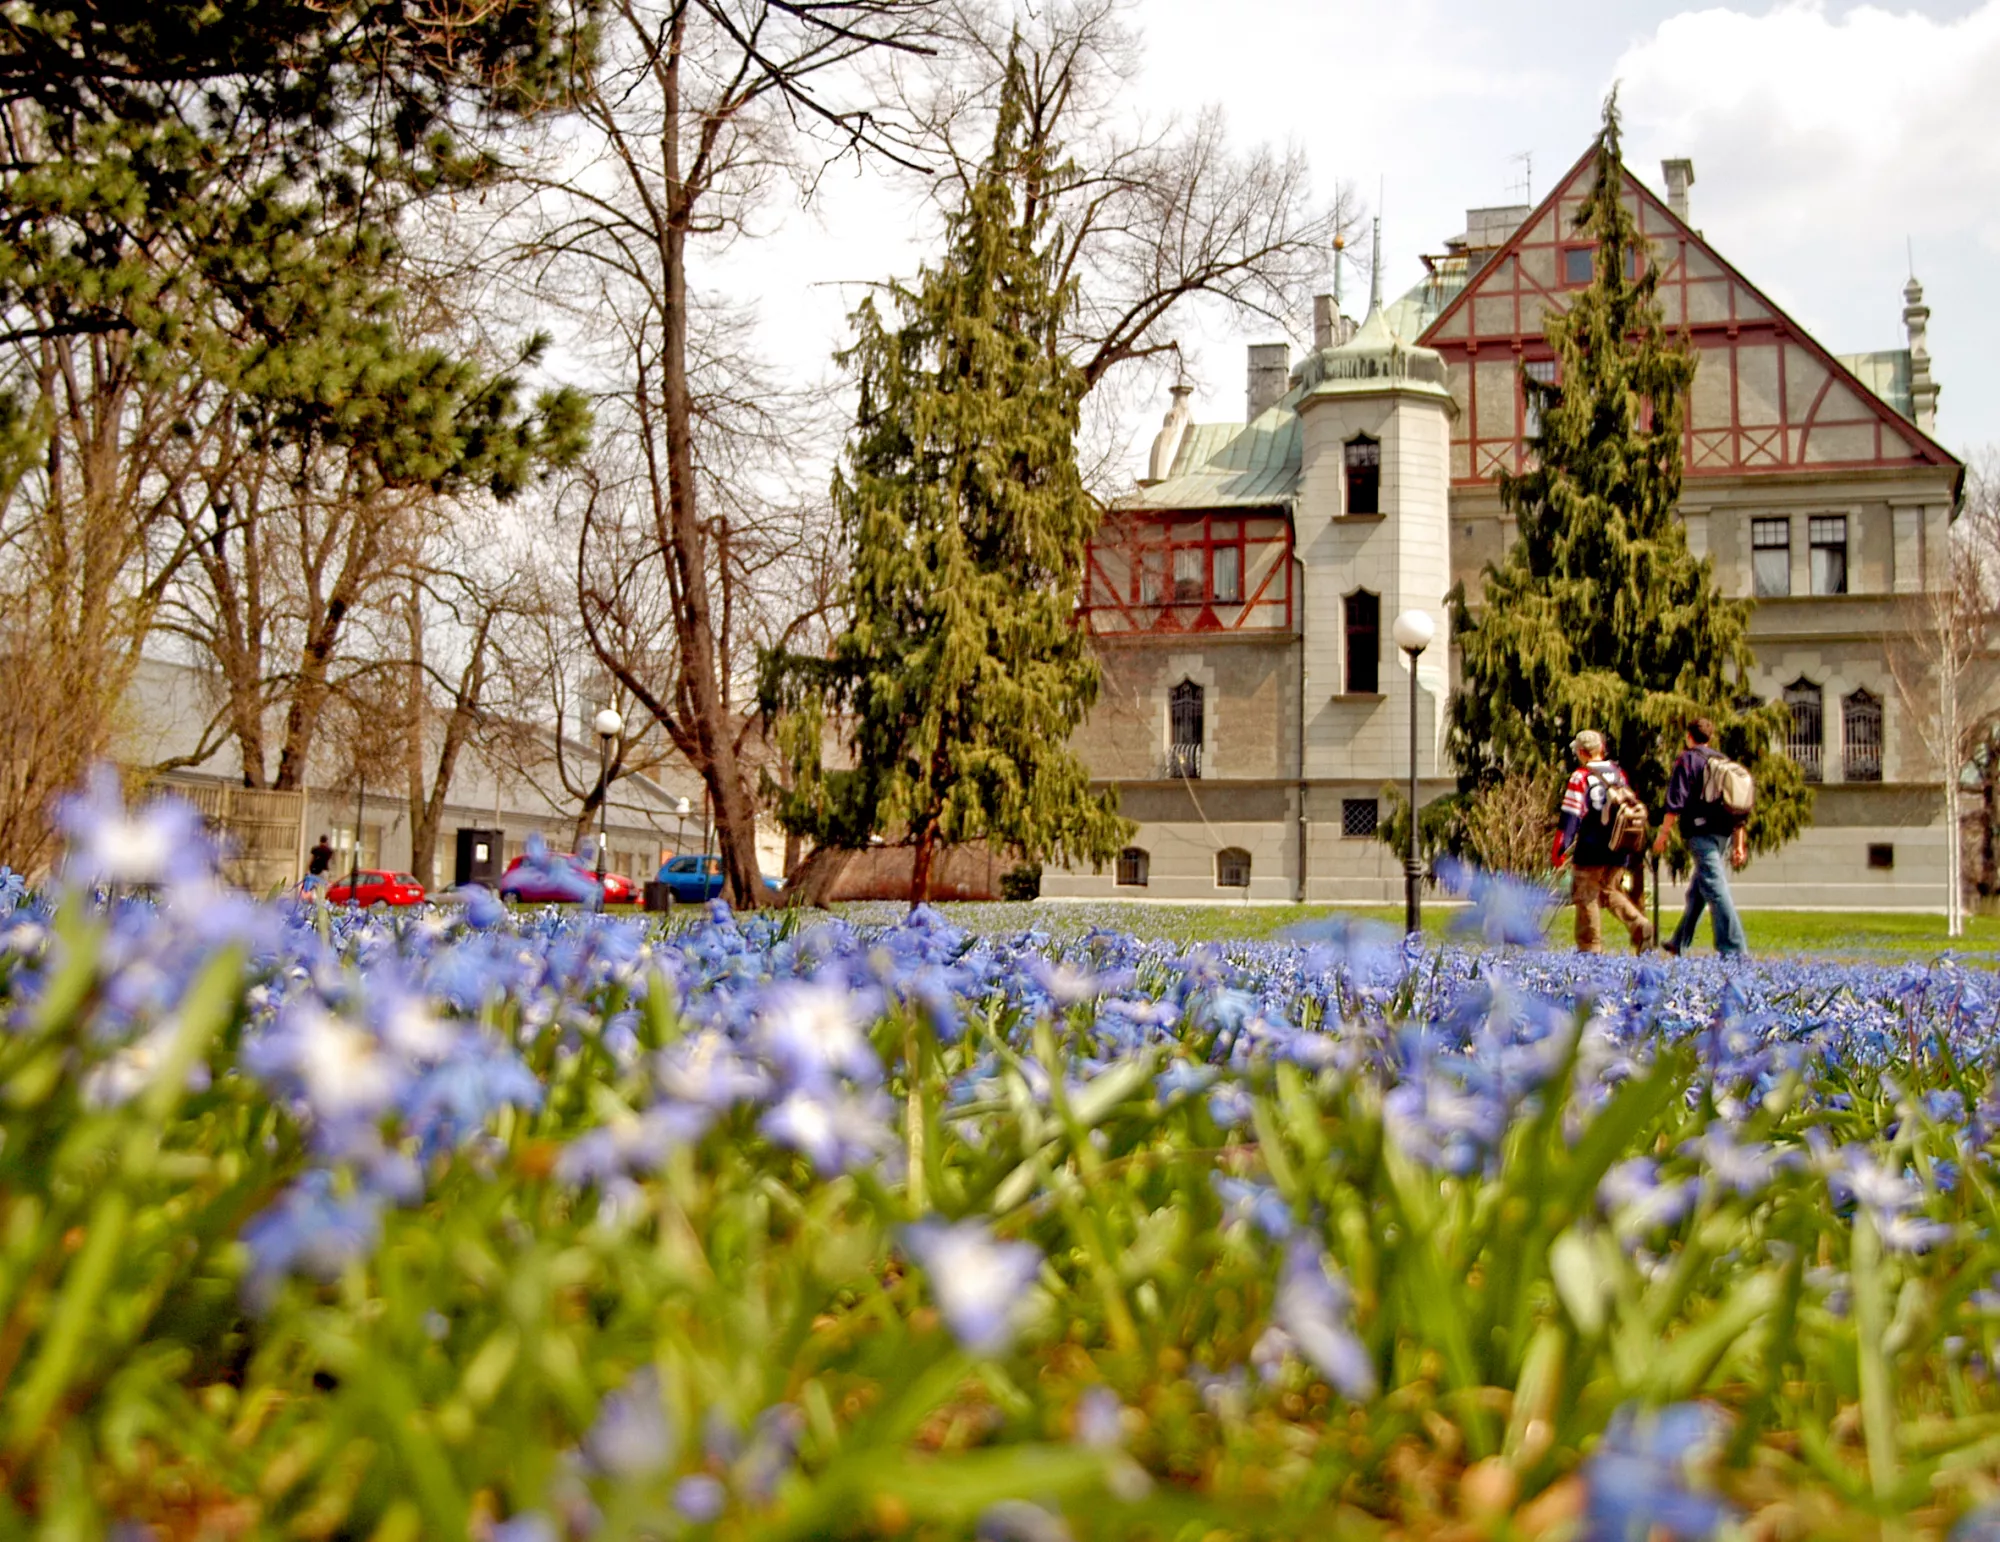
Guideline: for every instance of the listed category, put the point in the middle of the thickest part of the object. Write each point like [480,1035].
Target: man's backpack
[1624,816]
[1728,786]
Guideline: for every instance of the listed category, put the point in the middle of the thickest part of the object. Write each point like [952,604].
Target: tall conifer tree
[1600,616]
[962,672]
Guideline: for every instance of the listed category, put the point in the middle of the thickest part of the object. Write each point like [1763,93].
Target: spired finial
[1375,270]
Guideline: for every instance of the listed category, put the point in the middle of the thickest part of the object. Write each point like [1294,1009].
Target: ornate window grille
[1184,726]
[1861,737]
[1806,742]
[1232,868]
[1359,816]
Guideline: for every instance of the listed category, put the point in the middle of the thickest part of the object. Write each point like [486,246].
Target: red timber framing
[1178,573]
[1766,397]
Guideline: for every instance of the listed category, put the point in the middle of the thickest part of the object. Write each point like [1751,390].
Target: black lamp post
[1413,631]
[354,867]
[609,726]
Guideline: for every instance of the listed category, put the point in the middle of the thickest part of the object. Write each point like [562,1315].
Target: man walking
[1715,835]
[1589,840]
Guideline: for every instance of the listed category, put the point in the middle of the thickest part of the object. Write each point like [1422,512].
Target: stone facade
[1250,724]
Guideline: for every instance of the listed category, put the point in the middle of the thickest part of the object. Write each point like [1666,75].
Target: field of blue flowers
[546,1225]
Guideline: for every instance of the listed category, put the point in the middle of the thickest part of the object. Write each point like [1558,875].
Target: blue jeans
[1710,887]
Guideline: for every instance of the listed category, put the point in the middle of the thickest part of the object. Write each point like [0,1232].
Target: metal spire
[1375,270]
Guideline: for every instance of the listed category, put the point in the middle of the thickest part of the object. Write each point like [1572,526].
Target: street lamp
[1413,631]
[609,726]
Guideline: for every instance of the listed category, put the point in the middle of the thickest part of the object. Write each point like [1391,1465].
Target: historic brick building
[1241,596]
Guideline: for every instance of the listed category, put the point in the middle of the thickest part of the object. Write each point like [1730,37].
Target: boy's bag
[1625,816]
[1729,787]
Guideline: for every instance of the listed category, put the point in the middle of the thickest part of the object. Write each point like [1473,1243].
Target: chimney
[1270,369]
[1679,175]
[1923,389]
[1325,320]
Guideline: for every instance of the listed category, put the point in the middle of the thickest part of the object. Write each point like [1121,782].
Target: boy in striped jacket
[1584,841]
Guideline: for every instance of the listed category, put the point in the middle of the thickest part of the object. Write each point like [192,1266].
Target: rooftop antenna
[1527,182]
[1910,250]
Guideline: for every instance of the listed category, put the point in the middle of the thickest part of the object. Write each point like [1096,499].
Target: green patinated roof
[1231,465]
[1886,373]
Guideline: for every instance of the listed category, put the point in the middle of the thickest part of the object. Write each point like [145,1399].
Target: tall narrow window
[1188,578]
[1364,643]
[1184,724]
[1861,737]
[1829,553]
[1134,868]
[1364,475]
[1807,739]
[1232,868]
[1228,562]
[1152,575]
[1542,372]
[1771,557]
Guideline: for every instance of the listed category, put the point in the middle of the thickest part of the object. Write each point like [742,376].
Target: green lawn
[1842,934]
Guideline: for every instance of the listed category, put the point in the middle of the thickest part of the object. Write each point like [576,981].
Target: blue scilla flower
[483,908]
[837,1130]
[165,843]
[1314,1308]
[1258,1203]
[1642,1481]
[632,1145]
[311,1230]
[978,1281]
[633,1437]
[1980,1525]
[1183,1078]
[1230,1105]
[812,1033]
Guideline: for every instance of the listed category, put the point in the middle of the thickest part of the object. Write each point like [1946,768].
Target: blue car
[691,880]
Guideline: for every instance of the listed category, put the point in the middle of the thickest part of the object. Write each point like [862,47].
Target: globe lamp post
[1413,631]
[609,725]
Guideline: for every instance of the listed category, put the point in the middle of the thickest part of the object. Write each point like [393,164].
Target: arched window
[1364,475]
[1134,867]
[1861,737]
[1232,868]
[1807,740]
[1184,730]
[1362,615]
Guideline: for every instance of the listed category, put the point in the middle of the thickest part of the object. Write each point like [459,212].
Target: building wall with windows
[1364,482]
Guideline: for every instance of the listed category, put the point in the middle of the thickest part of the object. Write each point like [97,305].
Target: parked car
[376,890]
[691,880]
[560,880]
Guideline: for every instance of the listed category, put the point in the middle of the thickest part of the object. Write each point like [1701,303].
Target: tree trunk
[735,816]
[920,867]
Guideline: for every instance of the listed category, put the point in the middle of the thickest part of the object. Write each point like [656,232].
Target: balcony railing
[1183,760]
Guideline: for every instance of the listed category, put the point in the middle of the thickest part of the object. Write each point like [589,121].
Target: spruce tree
[962,672]
[1599,616]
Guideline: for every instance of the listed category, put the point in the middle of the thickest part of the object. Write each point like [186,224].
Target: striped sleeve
[1575,794]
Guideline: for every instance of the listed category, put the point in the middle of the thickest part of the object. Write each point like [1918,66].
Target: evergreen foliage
[1600,616]
[222,182]
[962,672]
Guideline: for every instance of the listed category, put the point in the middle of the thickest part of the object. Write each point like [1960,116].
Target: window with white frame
[1771,557]
[1828,533]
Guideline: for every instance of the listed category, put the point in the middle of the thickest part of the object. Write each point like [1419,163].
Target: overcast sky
[1824,137]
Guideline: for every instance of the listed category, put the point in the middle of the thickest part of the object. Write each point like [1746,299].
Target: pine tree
[1599,616]
[962,673]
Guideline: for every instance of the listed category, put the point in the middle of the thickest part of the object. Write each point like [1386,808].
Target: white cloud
[1823,140]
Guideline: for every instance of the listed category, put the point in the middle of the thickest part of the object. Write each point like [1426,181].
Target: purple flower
[312,1231]
[631,1144]
[1313,1306]
[1641,1482]
[700,1498]
[164,843]
[633,1437]
[835,1131]
[813,1032]
[979,1282]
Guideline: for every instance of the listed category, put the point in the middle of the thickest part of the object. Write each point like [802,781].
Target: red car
[561,880]
[378,890]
